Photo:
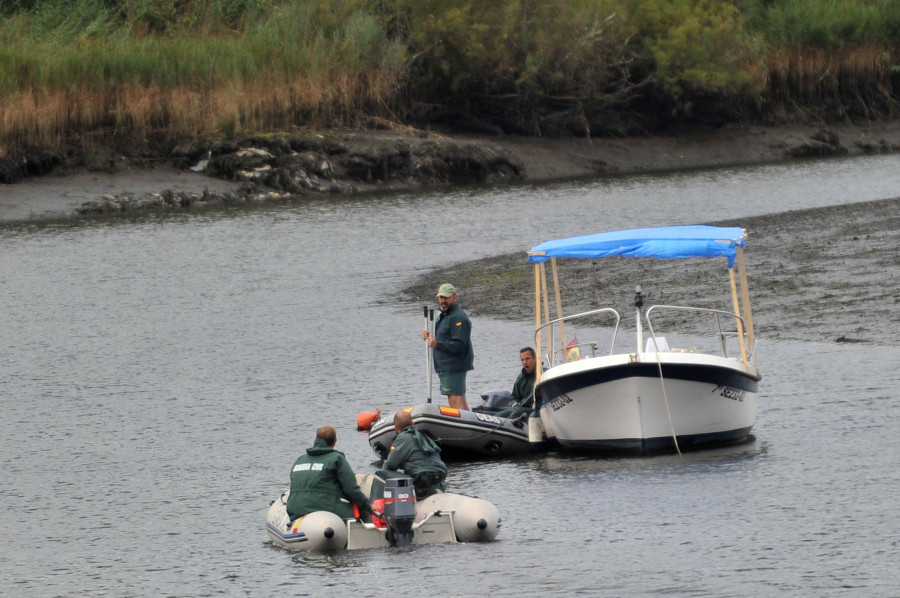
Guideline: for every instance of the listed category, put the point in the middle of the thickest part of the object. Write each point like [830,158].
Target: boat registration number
[735,394]
[559,402]
[488,418]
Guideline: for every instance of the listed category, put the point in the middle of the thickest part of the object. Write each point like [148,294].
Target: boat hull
[631,403]
[460,434]
[440,518]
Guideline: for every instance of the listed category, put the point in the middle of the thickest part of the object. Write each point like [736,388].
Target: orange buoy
[365,419]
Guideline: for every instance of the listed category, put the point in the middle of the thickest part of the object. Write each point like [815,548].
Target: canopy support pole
[546,312]
[737,311]
[559,309]
[748,313]
[537,317]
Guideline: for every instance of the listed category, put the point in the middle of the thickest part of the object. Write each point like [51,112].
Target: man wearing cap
[452,345]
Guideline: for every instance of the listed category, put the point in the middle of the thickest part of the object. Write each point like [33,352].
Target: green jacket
[420,458]
[523,389]
[522,392]
[454,352]
[322,480]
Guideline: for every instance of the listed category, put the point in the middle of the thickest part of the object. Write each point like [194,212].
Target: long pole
[737,310]
[430,353]
[427,356]
[537,320]
[747,313]
[559,310]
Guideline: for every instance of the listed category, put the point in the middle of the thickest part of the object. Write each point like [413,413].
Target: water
[160,374]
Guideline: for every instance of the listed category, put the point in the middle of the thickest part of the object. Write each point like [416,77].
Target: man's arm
[398,455]
[347,480]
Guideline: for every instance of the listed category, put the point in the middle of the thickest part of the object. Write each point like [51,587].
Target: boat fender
[536,429]
[365,419]
[322,530]
[476,520]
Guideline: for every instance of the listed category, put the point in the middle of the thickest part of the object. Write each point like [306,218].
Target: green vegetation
[828,24]
[131,71]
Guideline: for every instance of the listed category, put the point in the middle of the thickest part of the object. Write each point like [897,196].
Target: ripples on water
[161,374]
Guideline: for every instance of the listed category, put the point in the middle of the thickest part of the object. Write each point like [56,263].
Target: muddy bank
[828,274]
[258,169]
[253,170]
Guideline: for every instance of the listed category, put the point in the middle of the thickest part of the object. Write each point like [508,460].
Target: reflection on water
[720,458]
[162,373]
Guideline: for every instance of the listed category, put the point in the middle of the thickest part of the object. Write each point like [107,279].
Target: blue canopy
[665,243]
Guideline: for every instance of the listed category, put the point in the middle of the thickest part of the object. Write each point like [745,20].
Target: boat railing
[720,334]
[562,348]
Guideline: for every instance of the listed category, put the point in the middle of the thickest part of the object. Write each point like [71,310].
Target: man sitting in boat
[523,388]
[418,456]
[322,480]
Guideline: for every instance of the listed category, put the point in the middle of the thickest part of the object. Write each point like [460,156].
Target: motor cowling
[494,401]
[398,508]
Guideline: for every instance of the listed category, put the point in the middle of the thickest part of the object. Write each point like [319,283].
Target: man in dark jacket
[322,480]
[452,345]
[418,456]
[523,388]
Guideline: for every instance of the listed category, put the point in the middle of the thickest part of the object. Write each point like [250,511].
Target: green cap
[446,290]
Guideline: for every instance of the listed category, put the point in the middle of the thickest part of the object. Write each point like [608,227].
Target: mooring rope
[662,382]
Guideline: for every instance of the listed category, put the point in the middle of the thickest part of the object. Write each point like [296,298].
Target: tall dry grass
[834,84]
[319,63]
[114,70]
[134,113]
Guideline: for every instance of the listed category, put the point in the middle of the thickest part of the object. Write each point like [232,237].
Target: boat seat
[661,345]
[364,481]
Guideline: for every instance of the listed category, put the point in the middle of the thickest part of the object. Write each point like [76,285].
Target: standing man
[322,480]
[418,456]
[452,344]
[523,388]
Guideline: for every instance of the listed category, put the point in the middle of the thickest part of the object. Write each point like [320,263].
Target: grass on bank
[287,69]
[131,69]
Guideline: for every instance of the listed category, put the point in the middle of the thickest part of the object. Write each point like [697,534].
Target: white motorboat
[400,520]
[676,386]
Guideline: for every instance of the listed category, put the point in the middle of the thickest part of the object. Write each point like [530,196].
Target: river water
[160,374]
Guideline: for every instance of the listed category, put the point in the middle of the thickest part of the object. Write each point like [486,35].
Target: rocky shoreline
[271,168]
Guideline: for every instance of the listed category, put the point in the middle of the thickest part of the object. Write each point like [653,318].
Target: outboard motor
[398,507]
[494,401]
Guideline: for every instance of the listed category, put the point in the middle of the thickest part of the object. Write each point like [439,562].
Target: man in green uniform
[523,388]
[322,480]
[418,456]
[453,354]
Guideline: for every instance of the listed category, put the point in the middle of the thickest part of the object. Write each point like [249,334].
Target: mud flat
[63,182]
[828,274]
